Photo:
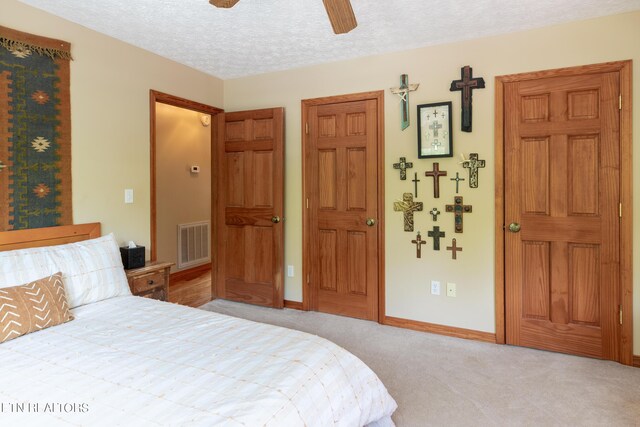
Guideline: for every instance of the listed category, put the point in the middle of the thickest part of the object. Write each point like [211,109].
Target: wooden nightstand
[150,281]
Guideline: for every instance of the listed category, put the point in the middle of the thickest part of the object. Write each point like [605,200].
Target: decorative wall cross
[436,173]
[403,165]
[403,92]
[473,164]
[434,213]
[457,179]
[466,84]
[408,207]
[458,209]
[454,249]
[415,183]
[436,234]
[419,242]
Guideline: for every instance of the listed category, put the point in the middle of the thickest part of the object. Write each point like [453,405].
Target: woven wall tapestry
[35,131]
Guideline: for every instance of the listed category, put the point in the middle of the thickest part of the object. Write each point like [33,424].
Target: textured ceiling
[259,36]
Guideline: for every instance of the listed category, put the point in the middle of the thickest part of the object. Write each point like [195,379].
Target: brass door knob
[371,222]
[514,227]
[275,219]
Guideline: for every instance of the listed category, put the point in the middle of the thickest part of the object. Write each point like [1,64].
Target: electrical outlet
[435,287]
[451,290]
[290,271]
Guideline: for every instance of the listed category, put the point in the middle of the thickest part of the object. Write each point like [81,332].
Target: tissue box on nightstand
[132,257]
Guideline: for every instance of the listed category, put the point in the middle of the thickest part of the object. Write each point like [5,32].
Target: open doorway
[182,182]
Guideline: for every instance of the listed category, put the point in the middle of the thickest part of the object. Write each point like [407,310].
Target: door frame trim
[624,68]
[378,96]
[176,101]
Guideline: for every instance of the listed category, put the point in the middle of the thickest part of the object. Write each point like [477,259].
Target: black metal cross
[466,84]
[454,249]
[419,242]
[457,179]
[436,173]
[415,183]
[436,234]
[473,164]
[434,213]
[403,165]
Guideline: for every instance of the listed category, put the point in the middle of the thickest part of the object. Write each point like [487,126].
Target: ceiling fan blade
[224,3]
[341,15]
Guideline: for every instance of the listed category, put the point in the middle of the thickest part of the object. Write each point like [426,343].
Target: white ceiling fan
[340,13]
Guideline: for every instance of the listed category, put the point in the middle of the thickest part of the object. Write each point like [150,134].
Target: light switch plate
[435,287]
[128,195]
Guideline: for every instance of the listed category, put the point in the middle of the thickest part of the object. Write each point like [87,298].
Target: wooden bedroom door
[250,176]
[344,219]
[562,195]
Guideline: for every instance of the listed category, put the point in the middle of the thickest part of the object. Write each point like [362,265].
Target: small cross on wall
[434,213]
[403,165]
[454,249]
[473,163]
[415,183]
[436,173]
[419,242]
[459,209]
[407,206]
[457,179]
[436,234]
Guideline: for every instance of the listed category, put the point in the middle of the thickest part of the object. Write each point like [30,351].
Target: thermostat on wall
[195,169]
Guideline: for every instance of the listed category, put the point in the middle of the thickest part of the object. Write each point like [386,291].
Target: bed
[126,360]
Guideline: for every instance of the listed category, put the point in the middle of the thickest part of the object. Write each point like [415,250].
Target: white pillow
[91,270]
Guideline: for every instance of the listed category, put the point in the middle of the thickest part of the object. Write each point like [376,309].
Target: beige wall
[181,196]
[110,82]
[407,278]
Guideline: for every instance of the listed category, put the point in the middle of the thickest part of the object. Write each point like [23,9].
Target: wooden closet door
[562,195]
[250,243]
[342,186]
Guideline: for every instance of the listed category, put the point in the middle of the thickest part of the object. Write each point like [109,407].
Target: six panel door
[250,243]
[341,171]
[562,194]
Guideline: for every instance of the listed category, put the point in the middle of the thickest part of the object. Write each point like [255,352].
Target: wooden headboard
[48,236]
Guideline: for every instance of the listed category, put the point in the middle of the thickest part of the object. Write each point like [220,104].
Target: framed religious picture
[435,138]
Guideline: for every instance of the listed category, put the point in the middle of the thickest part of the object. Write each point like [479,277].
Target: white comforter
[135,362]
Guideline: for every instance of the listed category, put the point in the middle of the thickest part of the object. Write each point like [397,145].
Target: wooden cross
[436,173]
[403,166]
[419,242]
[458,209]
[403,92]
[415,183]
[473,164]
[436,234]
[457,179]
[454,249]
[408,207]
[466,84]
[434,213]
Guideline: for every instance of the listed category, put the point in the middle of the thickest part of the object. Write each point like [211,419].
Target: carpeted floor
[444,381]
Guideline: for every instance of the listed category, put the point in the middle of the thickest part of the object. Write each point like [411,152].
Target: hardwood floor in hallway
[194,291]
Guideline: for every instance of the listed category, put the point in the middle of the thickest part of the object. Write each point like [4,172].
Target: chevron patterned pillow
[32,307]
